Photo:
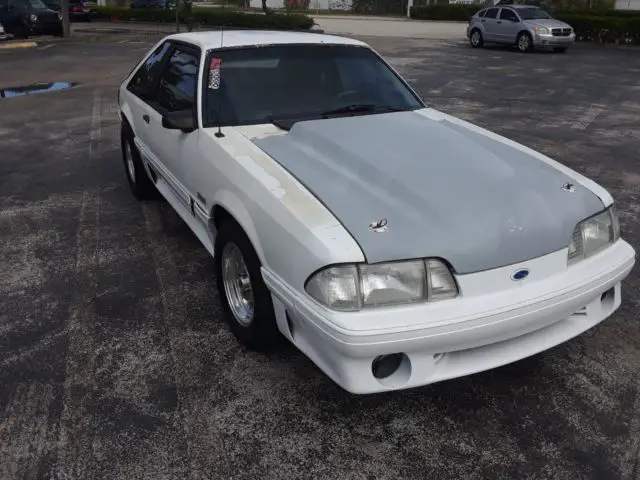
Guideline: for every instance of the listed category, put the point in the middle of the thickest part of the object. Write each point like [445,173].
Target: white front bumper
[494,322]
[554,41]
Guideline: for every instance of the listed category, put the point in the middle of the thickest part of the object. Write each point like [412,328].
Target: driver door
[176,91]
[508,26]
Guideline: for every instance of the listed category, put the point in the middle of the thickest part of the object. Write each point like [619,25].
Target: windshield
[533,13]
[258,85]
[31,4]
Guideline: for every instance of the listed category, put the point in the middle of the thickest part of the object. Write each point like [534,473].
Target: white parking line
[44,47]
[589,117]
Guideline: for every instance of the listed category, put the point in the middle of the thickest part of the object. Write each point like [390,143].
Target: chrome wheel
[524,43]
[475,38]
[237,284]
[131,168]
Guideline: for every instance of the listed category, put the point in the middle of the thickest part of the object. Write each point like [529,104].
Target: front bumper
[45,28]
[461,336]
[553,41]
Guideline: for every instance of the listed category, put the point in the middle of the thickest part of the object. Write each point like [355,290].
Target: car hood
[548,23]
[44,14]
[445,190]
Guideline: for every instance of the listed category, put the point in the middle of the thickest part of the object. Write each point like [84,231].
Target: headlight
[541,30]
[33,18]
[60,16]
[353,287]
[594,234]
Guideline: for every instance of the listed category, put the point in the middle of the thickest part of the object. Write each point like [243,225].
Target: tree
[265,9]
[64,10]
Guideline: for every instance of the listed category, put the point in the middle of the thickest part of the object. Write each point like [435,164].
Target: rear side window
[178,82]
[492,13]
[143,82]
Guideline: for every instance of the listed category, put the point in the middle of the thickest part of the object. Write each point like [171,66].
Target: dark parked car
[78,11]
[24,18]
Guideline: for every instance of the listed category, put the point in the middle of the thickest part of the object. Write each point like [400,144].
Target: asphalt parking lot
[115,363]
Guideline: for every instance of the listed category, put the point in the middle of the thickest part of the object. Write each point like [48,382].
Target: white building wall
[627,4]
[313,4]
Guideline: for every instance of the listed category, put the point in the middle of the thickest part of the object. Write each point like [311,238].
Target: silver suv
[525,26]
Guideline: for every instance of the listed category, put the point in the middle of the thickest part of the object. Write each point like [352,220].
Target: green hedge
[607,27]
[611,29]
[211,17]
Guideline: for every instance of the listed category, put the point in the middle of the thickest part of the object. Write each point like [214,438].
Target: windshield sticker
[214,73]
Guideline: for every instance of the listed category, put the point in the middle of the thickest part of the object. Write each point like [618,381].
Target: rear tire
[141,185]
[560,49]
[475,38]
[524,42]
[246,300]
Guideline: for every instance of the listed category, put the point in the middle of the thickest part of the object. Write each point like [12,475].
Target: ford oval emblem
[520,275]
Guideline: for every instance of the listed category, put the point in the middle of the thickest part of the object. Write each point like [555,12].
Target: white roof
[248,38]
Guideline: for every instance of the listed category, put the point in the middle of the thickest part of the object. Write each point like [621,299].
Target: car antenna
[219,133]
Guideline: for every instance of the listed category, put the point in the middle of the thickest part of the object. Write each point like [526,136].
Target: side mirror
[181,120]
[515,20]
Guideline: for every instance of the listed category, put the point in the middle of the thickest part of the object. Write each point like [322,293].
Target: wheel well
[221,215]
[125,120]
[525,31]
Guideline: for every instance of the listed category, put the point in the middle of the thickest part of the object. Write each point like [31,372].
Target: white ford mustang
[395,245]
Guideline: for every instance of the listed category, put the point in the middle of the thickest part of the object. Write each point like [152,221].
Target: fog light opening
[392,370]
[608,297]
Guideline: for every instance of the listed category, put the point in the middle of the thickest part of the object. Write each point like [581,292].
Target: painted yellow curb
[18,45]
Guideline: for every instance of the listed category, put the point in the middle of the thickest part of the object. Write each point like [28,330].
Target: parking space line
[589,117]
[44,47]
[73,447]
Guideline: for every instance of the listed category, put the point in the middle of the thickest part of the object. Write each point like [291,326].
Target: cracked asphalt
[114,360]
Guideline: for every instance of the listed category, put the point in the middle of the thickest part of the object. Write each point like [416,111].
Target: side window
[508,14]
[178,82]
[143,82]
[491,13]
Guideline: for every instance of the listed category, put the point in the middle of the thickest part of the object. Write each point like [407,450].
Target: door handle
[145,117]
[499,21]
[483,20]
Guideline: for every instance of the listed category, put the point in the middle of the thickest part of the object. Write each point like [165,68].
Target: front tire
[475,39]
[524,42]
[245,298]
[141,185]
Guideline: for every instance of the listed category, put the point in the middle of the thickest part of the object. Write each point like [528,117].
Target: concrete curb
[13,44]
